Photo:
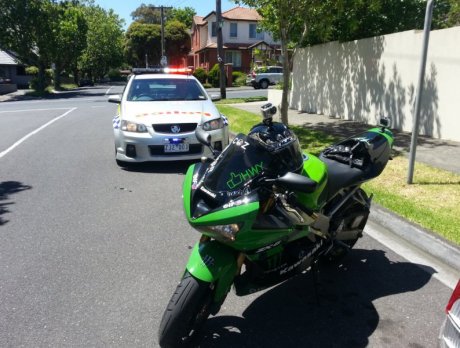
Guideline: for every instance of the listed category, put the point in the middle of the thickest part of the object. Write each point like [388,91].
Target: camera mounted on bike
[268,110]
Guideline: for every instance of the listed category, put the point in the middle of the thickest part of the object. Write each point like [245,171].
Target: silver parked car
[449,336]
[157,116]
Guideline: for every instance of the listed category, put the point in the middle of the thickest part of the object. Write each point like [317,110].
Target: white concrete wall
[364,79]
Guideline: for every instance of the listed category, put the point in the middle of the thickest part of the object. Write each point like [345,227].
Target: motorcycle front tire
[186,312]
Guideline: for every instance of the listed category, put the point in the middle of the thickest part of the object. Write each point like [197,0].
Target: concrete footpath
[437,153]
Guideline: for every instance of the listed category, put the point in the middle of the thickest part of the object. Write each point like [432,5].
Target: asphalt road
[90,253]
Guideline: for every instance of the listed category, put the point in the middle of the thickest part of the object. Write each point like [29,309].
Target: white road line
[20,141]
[108,90]
[26,110]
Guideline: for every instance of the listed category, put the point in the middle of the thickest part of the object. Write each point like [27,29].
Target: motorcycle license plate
[176,148]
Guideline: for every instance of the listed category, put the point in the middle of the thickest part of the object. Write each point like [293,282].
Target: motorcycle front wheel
[186,312]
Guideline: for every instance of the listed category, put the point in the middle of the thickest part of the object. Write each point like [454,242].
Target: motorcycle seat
[341,175]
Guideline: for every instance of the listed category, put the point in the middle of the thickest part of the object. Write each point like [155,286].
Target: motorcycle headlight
[129,126]
[218,123]
[227,231]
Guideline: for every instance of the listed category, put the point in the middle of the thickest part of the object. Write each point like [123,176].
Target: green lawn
[432,201]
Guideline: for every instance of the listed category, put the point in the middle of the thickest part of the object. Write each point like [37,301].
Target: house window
[253,34]
[233,57]
[233,29]
[214,29]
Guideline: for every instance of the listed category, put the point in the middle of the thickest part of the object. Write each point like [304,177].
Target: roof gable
[7,58]
[237,14]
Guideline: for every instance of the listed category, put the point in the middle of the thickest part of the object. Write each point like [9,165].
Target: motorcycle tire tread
[191,297]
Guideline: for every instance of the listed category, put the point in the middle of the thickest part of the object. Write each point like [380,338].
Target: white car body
[169,133]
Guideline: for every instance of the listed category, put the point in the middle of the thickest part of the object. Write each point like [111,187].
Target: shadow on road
[290,315]
[8,188]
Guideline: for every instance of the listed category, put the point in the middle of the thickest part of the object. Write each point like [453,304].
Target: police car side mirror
[114,99]
[203,137]
[215,97]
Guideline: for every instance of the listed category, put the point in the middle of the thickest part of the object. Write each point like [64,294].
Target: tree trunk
[57,78]
[41,78]
[286,78]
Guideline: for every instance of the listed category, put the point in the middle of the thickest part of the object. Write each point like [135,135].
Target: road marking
[108,90]
[20,141]
[26,110]
[444,273]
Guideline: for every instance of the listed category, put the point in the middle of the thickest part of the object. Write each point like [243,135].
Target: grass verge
[432,201]
[241,100]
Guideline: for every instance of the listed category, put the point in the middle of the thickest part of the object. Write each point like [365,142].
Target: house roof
[198,20]
[238,14]
[7,58]
[242,14]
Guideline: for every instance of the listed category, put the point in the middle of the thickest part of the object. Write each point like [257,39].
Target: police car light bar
[139,71]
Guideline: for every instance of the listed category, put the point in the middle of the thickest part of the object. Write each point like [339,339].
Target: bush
[201,75]
[213,76]
[239,78]
[33,70]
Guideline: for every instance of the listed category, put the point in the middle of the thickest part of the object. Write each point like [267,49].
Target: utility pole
[163,61]
[418,96]
[220,50]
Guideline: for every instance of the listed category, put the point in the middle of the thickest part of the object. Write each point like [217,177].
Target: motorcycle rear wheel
[346,219]
[186,312]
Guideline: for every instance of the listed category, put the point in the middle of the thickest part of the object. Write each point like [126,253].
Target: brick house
[241,40]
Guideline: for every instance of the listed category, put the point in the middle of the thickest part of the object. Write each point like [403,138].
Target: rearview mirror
[116,98]
[203,137]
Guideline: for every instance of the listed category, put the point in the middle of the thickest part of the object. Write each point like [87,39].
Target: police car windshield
[165,89]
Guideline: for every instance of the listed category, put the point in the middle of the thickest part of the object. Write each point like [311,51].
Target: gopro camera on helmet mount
[268,110]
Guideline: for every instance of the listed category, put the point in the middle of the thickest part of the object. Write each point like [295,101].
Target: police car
[158,113]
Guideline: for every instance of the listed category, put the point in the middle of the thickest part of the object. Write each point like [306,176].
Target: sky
[124,8]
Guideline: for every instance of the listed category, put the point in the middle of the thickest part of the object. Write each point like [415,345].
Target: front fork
[215,263]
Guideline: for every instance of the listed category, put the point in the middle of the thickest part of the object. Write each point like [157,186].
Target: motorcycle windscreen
[241,161]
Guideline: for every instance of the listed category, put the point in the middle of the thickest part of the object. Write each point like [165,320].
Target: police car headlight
[218,123]
[129,126]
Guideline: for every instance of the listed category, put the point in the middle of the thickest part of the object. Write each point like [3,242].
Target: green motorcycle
[268,212]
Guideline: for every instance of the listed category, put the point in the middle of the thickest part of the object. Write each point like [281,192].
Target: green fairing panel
[213,262]
[316,170]
[187,189]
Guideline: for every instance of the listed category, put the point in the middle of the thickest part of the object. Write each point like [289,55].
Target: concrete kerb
[422,239]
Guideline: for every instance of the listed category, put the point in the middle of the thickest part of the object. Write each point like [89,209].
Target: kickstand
[316,279]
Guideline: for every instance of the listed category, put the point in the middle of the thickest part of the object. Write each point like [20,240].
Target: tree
[148,14]
[145,39]
[71,31]
[290,22]
[178,42]
[306,22]
[184,15]
[142,41]
[28,29]
[104,41]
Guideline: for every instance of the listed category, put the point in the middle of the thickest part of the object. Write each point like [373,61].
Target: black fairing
[365,162]
[245,160]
